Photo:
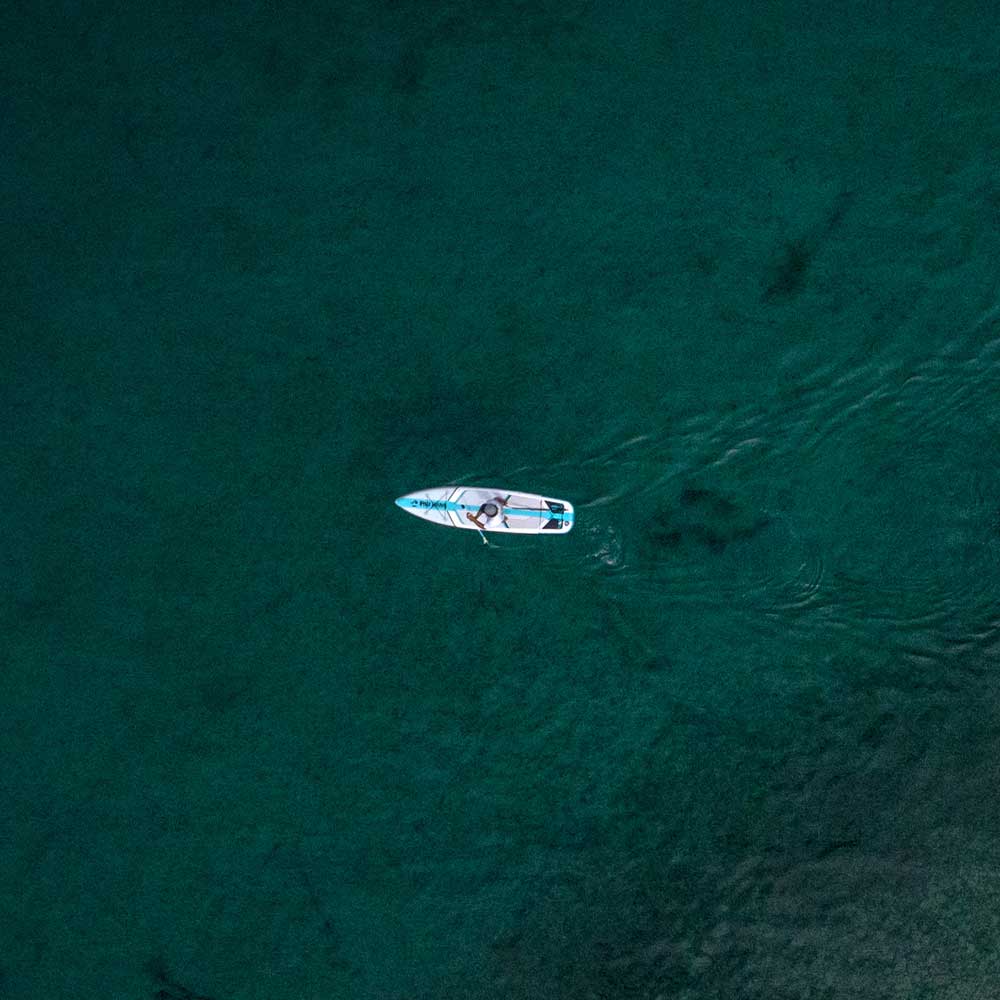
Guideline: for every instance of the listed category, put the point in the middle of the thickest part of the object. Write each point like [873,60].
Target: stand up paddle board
[484,508]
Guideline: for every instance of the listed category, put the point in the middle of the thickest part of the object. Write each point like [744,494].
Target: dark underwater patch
[788,276]
[704,519]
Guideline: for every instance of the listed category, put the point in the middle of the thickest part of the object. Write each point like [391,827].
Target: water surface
[726,281]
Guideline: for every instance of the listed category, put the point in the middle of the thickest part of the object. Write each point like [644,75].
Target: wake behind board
[483,508]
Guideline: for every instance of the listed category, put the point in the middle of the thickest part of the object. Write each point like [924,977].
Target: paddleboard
[485,508]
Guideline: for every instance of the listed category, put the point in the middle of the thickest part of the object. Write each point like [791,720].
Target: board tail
[554,522]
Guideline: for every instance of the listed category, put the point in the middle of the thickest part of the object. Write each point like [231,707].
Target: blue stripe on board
[451,505]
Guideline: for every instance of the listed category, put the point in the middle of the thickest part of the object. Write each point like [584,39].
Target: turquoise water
[726,281]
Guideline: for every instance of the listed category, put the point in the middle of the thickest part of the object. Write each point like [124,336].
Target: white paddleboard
[484,508]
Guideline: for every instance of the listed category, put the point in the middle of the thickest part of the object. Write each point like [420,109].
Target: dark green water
[726,281]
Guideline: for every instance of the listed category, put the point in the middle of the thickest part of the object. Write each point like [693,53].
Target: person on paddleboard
[490,509]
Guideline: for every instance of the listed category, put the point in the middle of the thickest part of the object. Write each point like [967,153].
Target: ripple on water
[857,502]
